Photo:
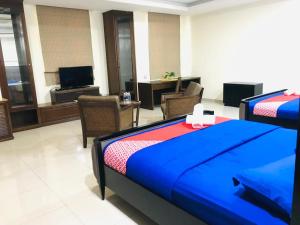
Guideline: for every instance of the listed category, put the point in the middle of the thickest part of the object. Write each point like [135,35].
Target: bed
[273,108]
[149,168]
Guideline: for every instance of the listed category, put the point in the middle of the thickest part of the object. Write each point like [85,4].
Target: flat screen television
[75,77]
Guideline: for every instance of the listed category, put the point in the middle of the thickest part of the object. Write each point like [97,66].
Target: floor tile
[29,204]
[61,216]
[46,177]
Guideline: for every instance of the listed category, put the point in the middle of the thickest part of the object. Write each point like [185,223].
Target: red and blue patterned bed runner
[278,106]
[117,153]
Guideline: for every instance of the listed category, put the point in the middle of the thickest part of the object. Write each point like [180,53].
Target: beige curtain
[164,44]
[65,38]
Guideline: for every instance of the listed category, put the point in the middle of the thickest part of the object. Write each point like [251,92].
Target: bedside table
[134,104]
[234,92]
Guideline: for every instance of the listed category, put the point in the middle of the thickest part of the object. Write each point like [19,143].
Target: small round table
[136,105]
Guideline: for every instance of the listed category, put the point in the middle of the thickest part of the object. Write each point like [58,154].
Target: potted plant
[169,75]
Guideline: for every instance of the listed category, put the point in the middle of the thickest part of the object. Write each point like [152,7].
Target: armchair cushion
[177,106]
[193,89]
[170,95]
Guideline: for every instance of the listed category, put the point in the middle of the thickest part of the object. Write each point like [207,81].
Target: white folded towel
[198,122]
[209,120]
[292,92]
[189,119]
[297,92]
[288,92]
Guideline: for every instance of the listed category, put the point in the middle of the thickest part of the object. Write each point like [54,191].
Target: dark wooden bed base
[158,209]
[246,115]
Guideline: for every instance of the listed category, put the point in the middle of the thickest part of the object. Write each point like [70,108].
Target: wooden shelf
[22,108]
[25,115]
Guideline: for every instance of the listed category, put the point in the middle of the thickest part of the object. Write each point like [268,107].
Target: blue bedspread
[289,110]
[195,170]
[207,190]
[158,167]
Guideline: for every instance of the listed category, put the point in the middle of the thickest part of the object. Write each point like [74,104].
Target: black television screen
[72,77]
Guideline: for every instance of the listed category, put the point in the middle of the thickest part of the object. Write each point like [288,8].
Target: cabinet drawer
[59,113]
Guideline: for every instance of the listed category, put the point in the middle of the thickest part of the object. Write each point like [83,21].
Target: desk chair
[181,103]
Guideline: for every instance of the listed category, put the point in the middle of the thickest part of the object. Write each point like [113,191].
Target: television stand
[70,95]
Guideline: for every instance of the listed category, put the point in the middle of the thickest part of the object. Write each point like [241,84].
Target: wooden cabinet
[51,114]
[16,77]
[234,92]
[5,123]
[120,51]
[70,95]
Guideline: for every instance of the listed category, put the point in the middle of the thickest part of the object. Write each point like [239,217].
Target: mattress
[194,169]
[117,152]
[276,106]
[207,190]
[159,166]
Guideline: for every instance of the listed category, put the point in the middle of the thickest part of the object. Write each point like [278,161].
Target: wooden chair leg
[84,141]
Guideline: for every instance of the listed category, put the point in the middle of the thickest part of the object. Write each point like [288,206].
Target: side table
[136,105]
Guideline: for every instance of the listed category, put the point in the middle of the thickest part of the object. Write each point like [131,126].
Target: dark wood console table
[58,113]
[150,92]
[63,106]
[70,95]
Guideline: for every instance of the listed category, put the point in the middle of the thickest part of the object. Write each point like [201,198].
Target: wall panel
[164,44]
[65,38]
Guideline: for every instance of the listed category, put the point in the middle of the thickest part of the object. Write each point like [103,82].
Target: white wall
[254,43]
[141,36]
[42,90]
[98,46]
[186,46]
[99,55]
[141,32]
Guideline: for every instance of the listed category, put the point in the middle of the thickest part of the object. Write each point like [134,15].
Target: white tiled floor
[46,178]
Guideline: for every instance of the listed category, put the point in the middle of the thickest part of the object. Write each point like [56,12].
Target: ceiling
[182,7]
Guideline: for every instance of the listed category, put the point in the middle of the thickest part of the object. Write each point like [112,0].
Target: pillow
[271,184]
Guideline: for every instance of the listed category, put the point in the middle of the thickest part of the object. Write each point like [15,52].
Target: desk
[150,91]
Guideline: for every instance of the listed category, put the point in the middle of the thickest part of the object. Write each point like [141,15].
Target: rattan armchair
[102,115]
[181,103]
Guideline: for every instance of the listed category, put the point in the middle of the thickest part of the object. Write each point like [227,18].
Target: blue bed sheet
[159,166]
[207,191]
[271,184]
[289,110]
